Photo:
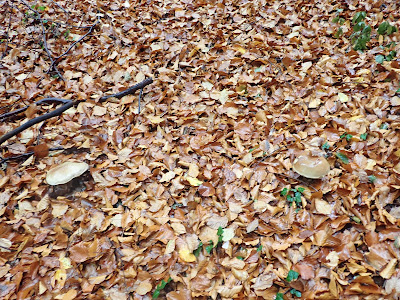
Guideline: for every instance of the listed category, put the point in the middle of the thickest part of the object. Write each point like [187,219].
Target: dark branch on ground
[66,105]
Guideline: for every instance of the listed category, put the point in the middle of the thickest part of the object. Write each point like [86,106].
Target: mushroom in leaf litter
[311,166]
[66,172]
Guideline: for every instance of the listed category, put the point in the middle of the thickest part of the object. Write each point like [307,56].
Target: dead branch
[66,105]
[36,120]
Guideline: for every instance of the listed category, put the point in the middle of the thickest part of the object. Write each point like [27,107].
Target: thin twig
[130,90]
[60,7]
[140,96]
[70,47]
[45,46]
[23,155]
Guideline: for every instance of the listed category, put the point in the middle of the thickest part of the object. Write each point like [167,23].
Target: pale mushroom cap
[311,166]
[66,172]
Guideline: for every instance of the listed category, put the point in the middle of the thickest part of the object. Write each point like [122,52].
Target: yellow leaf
[343,98]
[155,119]
[65,262]
[193,181]
[60,276]
[186,255]
[323,207]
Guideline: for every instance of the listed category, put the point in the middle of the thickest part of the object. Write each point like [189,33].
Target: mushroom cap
[66,172]
[311,166]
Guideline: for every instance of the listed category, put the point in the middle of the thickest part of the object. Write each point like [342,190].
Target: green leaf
[359,26]
[384,126]
[392,55]
[240,257]
[398,91]
[356,219]
[292,275]
[325,146]
[336,19]
[358,17]
[338,33]
[220,233]
[284,192]
[279,296]
[348,137]
[383,27]
[42,8]
[295,292]
[379,59]
[156,294]
[160,287]
[342,157]
[251,150]
[371,178]
[210,247]
[198,250]
[341,21]
[364,136]
[297,198]
[391,29]
[259,248]
[300,189]
[342,135]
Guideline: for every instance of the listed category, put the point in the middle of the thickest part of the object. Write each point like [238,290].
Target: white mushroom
[66,172]
[311,166]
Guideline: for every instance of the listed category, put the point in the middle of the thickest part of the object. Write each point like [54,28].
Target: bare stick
[23,155]
[130,90]
[36,120]
[45,100]
[60,7]
[53,62]
[140,96]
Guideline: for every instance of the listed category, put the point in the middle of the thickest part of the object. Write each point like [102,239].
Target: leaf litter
[196,196]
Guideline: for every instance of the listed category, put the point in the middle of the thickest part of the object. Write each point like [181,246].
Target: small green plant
[386,29]
[325,146]
[384,126]
[381,58]
[361,32]
[295,197]
[363,136]
[371,178]
[343,157]
[295,293]
[259,248]
[347,136]
[220,234]
[210,247]
[279,296]
[338,19]
[66,33]
[198,250]
[292,275]
[160,287]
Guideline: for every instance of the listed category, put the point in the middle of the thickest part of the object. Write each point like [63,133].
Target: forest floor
[194,195]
